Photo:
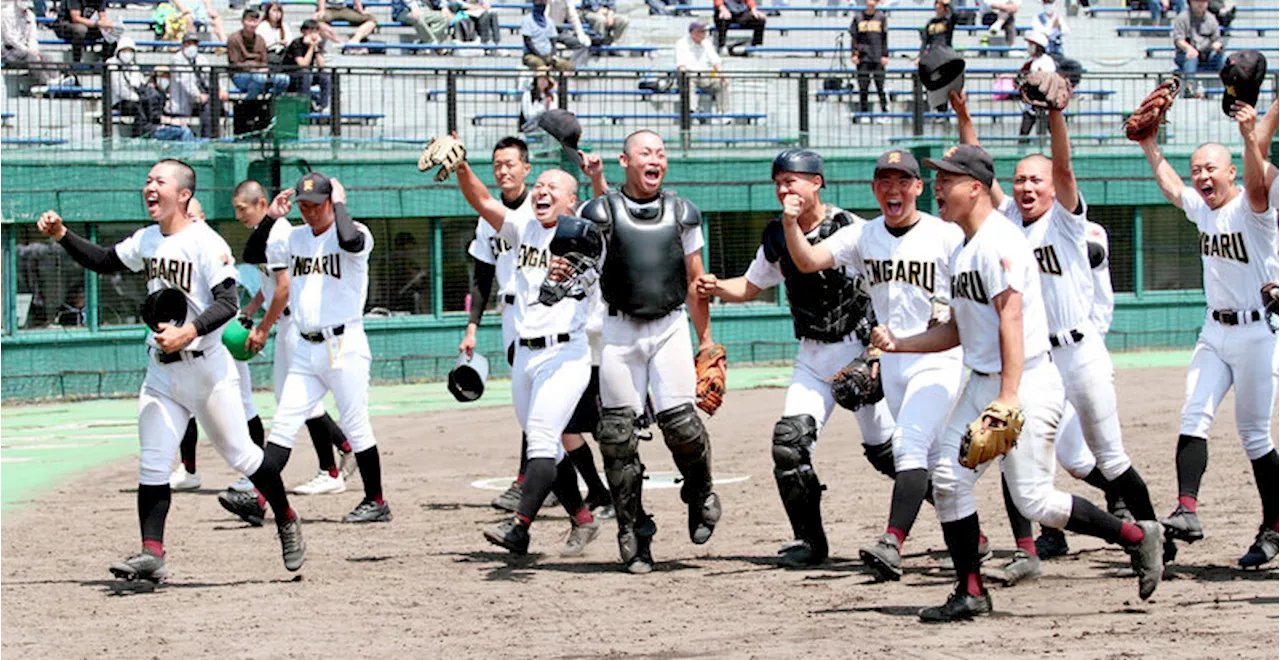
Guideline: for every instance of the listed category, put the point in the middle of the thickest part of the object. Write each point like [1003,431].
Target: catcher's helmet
[805,161]
[576,235]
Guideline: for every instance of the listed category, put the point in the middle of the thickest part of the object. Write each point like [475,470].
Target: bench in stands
[1170,50]
[1165,30]
[352,118]
[819,51]
[618,117]
[32,142]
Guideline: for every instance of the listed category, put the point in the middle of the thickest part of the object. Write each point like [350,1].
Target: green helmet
[234,336]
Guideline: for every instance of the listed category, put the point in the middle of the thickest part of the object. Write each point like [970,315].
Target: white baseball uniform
[328,287]
[997,259]
[1073,453]
[904,273]
[1066,280]
[203,381]
[552,364]
[490,249]
[1238,249]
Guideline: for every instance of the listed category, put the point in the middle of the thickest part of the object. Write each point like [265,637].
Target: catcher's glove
[991,435]
[447,152]
[858,384]
[1271,297]
[711,366]
[1044,89]
[1146,120]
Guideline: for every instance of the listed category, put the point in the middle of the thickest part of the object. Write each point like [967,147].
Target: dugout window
[400,266]
[120,295]
[50,287]
[1170,250]
[1118,221]
[732,240]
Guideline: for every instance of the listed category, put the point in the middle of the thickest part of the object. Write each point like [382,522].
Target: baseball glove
[711,366]
[1044,89]
[991,435]
[1146,120]
[1271,297]
[447,152]
[858,384]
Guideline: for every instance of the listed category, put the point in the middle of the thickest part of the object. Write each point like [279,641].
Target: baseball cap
[968,160]
[941,70]
[1242,77]
[194,36]
[311,24]
[313,187]
[697,25]
[564,127]
[898,160]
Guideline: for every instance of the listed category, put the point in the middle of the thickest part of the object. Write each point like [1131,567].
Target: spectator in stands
[1198,40]
[605,19]
[1001,17]
[189,96]
[274,32]
[539,98]
[351,11]
[564,17]
[429,20]
[247,55]
[127,82]
[695,55]
[21,48]
[200,14]
[1158,8]
[305,57]
[940,29]
[1038,59]
[84,20]
[539,40]
[666,7]
[472,18]
[870,45]
[1224,10]
[1053,25]
[155,110]
[742,12]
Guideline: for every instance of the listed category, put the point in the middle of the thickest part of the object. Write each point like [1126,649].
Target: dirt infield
[427,585]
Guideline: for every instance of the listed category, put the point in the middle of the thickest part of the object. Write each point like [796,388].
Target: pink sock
[524,520]
[1187,502]
[1027,545]
[153,546]
[974,584]
[333,472]
[262,501]
[1130,534]
[899,534]
[583,516]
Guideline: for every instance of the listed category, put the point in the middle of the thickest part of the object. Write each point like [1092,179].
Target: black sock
[323,443]
[1130,487]
[1095,479]
[336,436]
[276,456]
[188,447]
[1192,460]
[582,459]
[539,476]
[1087,518]
[524,453]
[566,486]
[1266,472]
[1017,522]
[909,488]
[961,537]
[256,433]
[881,458]
[267,480]
[370,473]
[153,508]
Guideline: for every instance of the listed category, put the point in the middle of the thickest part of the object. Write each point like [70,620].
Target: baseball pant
[286,344]
[207,388]
[1240,355]
[654,356]
[246,389]
[340,365]
[1028,467]
[810,391]
[919,390]
[546,385]
[1073,454]
[1090,382]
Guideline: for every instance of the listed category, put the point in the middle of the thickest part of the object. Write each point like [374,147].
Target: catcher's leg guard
[799,487]
[619,446]
[690,447]
[881,458]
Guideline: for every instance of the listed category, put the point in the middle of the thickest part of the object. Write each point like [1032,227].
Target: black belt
[176,356]
[1076,337]
[539,343]
[509,299]
[1232,317]
[318,337]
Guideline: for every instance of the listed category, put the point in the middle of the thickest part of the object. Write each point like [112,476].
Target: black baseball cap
[313,187]
[311,24]
[898,160]
[968,160]
[565,128]
[1242,77]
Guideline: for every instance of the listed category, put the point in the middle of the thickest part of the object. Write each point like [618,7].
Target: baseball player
[905,258]
[1046,204]
[189,371]
[998,318]
[1237,345]
[552,362]
[829,309]
[494,258]
[653,246]
[328,283]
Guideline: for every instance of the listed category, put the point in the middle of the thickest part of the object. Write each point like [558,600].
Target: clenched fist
[50,224]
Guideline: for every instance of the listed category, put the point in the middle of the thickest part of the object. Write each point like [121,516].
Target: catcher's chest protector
[644,274]
[824,305]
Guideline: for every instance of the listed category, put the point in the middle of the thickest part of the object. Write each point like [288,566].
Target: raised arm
[478,196]
[1064,175]
[1265,133]
[349,236]
[969,135]
[1255,172]
[808,258]
[1170,183]
[89,255]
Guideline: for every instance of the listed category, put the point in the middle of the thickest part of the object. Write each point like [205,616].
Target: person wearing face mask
[540,36]
[126,82]
[1038,59]
[1053,24]
[191,95]
[156,122]
[21,48]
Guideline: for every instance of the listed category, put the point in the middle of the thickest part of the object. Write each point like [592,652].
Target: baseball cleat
[509,500]
[551,502]
[1119,509]
[1052,543]
[322,484]
[346,463]
[1148,558]
[242,485]
[884,558]
[579,537]
[601,506]
[1183,525]
[369,511]
[984,554]
[1022,566]
[1265,547]
[801,553]
[960,606]
[510,534]
[244,505]
[142,566]
[292,547]
[703,517]
[183,480]
[635,546]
